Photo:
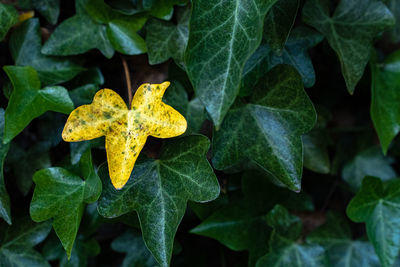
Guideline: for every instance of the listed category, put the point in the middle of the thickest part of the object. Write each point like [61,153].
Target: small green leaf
[385,109]
[8,17]
[137,254]
[28,101]
[25,46]
[350,31]
[222,36]
[166,40]
[294,54]
[62,195]
[17,242]
[268,130]
[285,250]
[50,9]
[340,249]
[377,204]
[70,38]
[5,212]
[159,189]
[370,162]
[279,22]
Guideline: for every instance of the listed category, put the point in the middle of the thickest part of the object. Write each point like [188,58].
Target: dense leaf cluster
[290,157]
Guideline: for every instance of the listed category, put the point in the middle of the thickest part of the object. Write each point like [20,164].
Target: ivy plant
[199,133]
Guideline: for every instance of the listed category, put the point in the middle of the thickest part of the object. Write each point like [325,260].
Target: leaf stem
[127,78]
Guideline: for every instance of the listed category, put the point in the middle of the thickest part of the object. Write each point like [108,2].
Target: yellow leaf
[126,130]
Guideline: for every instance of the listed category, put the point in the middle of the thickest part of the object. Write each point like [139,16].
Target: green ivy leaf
[278,23]
[28,101]
[70,38]
[166,40]
[159,190]
[192,110]
[5,212]
[25,46]
[8,17]
[121,29]
[62,195]
[242,225]
[50,9]
[369,162]
[385,111]
[17,242]
[350,31]
[268,130]
[294,54]
[284,248]
[340,249]
[378,205]
[222,36]
[137,254]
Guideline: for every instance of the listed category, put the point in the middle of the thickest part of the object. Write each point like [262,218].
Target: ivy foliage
[290,155]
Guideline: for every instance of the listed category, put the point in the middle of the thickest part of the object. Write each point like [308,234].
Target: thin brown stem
[127,78]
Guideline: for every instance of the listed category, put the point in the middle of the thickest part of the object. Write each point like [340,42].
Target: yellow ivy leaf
[126,130]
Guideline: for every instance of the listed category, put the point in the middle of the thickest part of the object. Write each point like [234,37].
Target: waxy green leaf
[279,22]
[166,40]
[5,212]
[350,31]
[377,204]
[17,242]
[50,9]
[62,195]
[385,108]
[25,46]
[159,189]
[8,17]
[369,162]
[222,36]
[268,130]
[285,250]
[136,251]
[394,7]
[294,54]
[28,101]
[69,38]
[340,249]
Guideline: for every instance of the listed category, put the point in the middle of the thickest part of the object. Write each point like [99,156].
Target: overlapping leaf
[166,40]
[50,9]
[378,205]
[242,225]
[294,54]
[268,130]
[285,249]
[340,249]
[369,162]
[62,195]
[279,22]
[28,101]
[349,31]
[17,242]
[8,17]
[385,109]
[222,36]
[159,189]
[25,46]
